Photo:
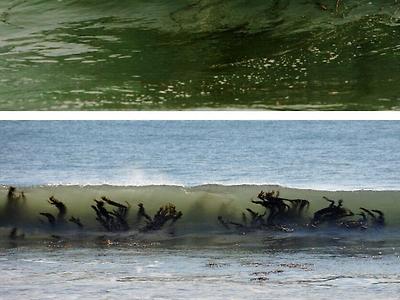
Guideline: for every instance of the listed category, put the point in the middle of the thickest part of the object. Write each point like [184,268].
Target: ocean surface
[342,155]
[205,171]
[199,54]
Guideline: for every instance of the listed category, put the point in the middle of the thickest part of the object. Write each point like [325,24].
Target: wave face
[275,54]
[199,205]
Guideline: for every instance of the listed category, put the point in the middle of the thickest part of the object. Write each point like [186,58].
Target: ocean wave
[197,209]
[198,15]
[199,54]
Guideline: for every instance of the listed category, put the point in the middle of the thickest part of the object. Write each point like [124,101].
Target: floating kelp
[282,216]
[62,212]
[279,214]
[62,209]
[332,213]
[115,220]
[14,204]
[377,216]
[164,215]
[203,209]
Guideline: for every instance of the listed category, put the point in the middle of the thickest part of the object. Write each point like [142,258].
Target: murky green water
[162,55]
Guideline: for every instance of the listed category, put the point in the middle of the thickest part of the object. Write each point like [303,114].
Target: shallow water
[178,270]
[214,54]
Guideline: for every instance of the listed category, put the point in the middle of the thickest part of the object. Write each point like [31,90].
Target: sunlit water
[283,55]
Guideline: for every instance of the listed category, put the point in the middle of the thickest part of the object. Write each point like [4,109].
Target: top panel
[199,54]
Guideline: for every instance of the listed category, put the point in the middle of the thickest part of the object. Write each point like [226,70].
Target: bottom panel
[199,209]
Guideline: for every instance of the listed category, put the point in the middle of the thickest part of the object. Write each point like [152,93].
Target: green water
[207,54]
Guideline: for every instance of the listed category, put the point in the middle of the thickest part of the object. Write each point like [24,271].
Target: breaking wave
[200,205]
[199,15]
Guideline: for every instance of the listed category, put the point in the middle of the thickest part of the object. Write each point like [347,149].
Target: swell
[274,54]
[200,205]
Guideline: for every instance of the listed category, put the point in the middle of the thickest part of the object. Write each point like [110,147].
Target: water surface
[341,155]
[207,54]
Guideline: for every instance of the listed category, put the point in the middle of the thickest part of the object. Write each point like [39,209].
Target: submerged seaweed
[279,214]
[284,217]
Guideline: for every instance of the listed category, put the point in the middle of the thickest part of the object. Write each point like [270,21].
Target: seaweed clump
[60,218]
[373,218]
[14,205]
[280,213]
[284,214]
[62,211]
[331,214]
[335,215]
[165,214]
[111,220]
